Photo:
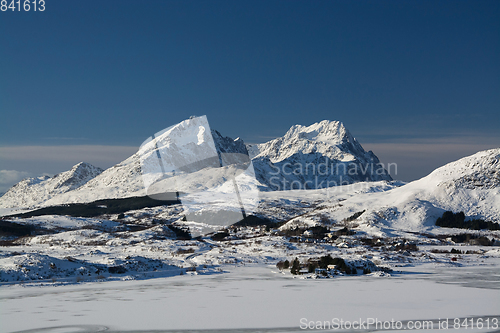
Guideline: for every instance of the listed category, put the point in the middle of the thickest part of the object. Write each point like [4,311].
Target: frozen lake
[255,299]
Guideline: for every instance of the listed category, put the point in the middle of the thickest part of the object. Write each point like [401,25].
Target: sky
[417,82]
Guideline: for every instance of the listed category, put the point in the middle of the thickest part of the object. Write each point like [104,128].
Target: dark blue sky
[115,72]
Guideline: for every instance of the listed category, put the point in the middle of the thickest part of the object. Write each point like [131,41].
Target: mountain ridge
[326,144]
[31,191]
[119,181]
[471,184]
[415,206]
[328,140]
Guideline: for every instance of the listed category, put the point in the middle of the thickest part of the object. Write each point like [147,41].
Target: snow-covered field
[256,297]
[96,274]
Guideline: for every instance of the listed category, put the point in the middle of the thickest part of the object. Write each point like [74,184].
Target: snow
[329,134]
[246,297]
[411,207]
[416,206]
[323,142]
[66,222]
[111,277]
[126,179]
[131,273]
[34,191]
[322,155]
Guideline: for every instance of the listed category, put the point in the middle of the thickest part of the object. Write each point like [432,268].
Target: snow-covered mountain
[120,181]
[125,179]
[471,185]
[85,183]
[322,155]
[33,191]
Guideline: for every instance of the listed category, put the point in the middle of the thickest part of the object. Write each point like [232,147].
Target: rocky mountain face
[322,155]
[226,145]
[32,191]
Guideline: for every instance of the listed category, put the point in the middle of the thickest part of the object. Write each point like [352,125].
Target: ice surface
[247,297]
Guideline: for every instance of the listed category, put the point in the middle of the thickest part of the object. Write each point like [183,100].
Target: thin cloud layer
[18,162]
[98,154]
